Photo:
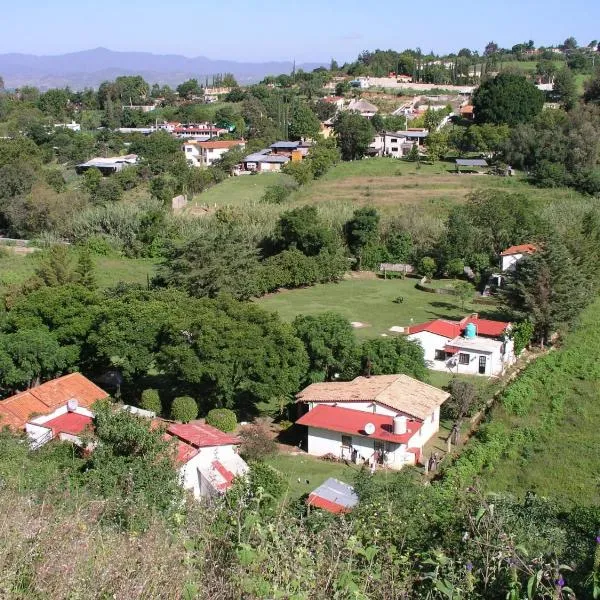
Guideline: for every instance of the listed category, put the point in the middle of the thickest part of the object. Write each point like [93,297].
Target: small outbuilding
[470,163]
[334,496]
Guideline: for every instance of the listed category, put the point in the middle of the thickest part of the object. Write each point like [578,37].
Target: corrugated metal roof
[471,162]
[266,158]
[334,496]
[285,145]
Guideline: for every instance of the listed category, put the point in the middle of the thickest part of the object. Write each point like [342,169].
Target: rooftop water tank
[400,425]
[470,331]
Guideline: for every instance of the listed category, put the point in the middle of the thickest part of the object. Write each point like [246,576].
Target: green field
[369,301]
[237,191]
[304,467]
[15,269]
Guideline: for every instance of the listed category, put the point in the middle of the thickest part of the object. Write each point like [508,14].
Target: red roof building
[44,399]
[451,329]
[201,435]
[521,249]
[70,423]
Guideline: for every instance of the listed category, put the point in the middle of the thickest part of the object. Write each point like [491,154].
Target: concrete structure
[204,154]
[470,346]
[264,161]
[389,143]
[414,136]
[337,101]
[208,458]
[72,126]
[334,496]
[384,419]
[201,131]
[108,166]
[511,256]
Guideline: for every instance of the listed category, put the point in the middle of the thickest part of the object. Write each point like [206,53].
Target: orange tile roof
[521,249]
[467,110]
[221,144]
[45,398]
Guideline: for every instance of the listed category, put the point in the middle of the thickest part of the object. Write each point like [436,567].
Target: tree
[324,110]
[302,228]
[342,88]
[490,49]
[354,133]
[222,418]
[464,290]
[396,355]
[521,333]
[463,399]
[427,266]
[569,44]
[507,98]
[184,409]
[361,231]
[546,288]
[229,80]
[86,272]
[189,88]
[209,264]
[592,88]
[301,172]
[54,103]
[565,88]
[323,155]
[56,266]
[437,145]
[92,179]
[455,268]
[329,341]
[150,400]
[303,123]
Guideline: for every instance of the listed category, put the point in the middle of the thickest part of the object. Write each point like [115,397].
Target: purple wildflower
[598,539]
[469,566]
[560,582]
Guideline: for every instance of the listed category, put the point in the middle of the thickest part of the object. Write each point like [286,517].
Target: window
[394,148]
[440,355]
[394,140]
[188,149]
[463,358]
[346,441]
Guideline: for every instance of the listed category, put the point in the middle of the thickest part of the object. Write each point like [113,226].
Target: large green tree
[354,134]
[565,88]
[361,230]
[507,98]
[329,341]
[304,123]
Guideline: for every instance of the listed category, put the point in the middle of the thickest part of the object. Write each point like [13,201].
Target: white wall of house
[508,263]
[190,475]
[469,364]
[322,442]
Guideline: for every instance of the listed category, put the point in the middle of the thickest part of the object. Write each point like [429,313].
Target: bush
[151,401]
[257,442]
[268,478]
[279,193]
[222,418]
[184,409]
[427,266]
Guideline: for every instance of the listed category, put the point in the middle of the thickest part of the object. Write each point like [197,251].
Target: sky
[306,30]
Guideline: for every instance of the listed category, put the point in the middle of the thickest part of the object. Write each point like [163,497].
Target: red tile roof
[467,109]
[521,249]
[347,420]
[452,329]
[185,452]
[45,398]
[220,144]
[69,422]
[201,435]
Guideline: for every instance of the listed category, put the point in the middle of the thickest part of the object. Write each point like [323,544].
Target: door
[379,450]
[482,361]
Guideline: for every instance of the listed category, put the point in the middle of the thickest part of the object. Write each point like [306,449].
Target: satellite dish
[369,428]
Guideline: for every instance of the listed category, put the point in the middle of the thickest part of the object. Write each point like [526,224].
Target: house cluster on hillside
[275,156]
[62,409]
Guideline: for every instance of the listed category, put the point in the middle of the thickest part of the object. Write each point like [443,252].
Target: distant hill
[89,68]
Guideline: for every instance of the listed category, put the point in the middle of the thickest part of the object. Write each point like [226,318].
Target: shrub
[427,266]
[268,478]
[257,442]
[278,193]
[184,409]
[151,401]
[455,267]
[222,418]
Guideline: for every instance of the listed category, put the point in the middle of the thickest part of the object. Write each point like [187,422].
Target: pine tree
[86,274]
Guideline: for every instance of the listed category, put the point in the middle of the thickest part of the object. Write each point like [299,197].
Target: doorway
[482,363]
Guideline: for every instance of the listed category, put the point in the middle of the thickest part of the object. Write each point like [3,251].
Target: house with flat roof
[472,346]
[389,143]
[205,153]
[381,420]
[264,161]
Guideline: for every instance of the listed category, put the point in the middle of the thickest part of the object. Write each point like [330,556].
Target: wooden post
[449,444]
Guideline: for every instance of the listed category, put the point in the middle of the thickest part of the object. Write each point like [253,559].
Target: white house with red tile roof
[470,346]
[204,154]
[57,409]
[208,458]
[383,419]
[511,256]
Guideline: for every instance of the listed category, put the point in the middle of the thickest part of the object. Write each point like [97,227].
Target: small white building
[204,154]
[511,256]
[389,143]
[383,419]
[200,131]
[72,126]
[108,166]
[208,458]
[470,346]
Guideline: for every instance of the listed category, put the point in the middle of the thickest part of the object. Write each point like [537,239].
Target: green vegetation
[184,409]
[222,418]
[370,302]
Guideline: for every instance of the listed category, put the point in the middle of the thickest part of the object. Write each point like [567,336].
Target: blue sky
[306,30]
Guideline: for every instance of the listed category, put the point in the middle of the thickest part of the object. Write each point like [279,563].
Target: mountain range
[89,68]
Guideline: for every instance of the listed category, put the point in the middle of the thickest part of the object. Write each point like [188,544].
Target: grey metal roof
[285,145]
[266,158]
[471,162]
[414,134]
[338,492]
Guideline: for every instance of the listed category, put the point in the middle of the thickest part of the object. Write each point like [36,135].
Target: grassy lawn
[304,467]
[368,301]
[15,269]
[237,191]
